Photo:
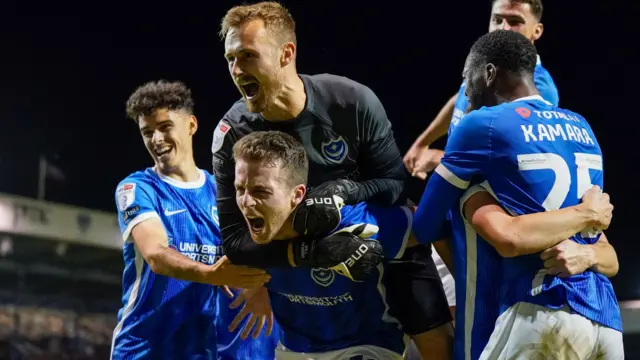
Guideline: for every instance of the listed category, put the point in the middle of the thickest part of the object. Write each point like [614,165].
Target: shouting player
[172,247]
[537,159]
[353,158]
[321,315]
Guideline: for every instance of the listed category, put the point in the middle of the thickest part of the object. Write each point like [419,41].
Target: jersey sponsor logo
[323,277]
[218,136]
[126,194]
[524,112]
[173,212]
[214,215]
[318,300]
[203,253]
[335,150]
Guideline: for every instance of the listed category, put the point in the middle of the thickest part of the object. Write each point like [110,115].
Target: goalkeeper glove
[349,252]
[320,214]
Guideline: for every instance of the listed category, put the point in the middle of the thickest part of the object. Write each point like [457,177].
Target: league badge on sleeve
[218,136]
[214,215]
[335,150]
[126,195]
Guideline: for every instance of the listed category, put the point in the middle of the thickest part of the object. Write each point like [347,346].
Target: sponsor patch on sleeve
[126,194]
[218,136]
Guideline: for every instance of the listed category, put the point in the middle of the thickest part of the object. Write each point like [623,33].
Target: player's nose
[247,200]
[236,70]
[157,140]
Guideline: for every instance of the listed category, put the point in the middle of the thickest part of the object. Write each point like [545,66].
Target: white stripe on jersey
[471,237]
[133,296]
[452,178]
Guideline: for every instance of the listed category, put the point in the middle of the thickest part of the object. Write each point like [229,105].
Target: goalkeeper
[321,315]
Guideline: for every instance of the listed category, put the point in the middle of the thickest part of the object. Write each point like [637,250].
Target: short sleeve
[546,87]
[135,205]
[468,150]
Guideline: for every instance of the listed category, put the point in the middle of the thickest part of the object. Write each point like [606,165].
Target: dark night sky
[68,69]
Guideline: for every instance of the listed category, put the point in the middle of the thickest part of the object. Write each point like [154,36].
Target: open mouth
[256,224]
[162,151]
[251,90]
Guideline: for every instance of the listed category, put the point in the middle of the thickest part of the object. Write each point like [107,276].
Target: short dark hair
[508,50]
[160,94]
[271,146]
[277,19]
[535,5]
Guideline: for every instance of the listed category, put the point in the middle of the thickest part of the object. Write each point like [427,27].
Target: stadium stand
[60,271]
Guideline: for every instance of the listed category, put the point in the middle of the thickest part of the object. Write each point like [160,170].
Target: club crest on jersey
[335,150]
[218,136]
[214,215]
[322,277]
[126,194]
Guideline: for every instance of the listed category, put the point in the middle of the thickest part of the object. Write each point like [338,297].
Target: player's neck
[523,88]
[286,232]
[290,102]
[185,172]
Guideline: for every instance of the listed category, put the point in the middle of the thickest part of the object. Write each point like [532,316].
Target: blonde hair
[277,19]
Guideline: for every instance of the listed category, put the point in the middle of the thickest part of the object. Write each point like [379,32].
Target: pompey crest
[335,150]
[322,277]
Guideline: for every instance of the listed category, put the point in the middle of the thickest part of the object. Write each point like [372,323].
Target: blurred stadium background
[60,273]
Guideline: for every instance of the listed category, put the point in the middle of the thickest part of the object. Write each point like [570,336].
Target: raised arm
[141,224]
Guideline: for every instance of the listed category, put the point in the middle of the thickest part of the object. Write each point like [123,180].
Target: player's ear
[288,54]
[537,31]
[298,194]
[490,73]
[193,124]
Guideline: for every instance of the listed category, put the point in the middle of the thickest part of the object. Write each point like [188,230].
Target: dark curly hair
[271,146]
[507,50]
[535,5]
[160,94]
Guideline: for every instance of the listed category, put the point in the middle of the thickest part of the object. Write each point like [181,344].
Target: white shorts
[532,332]
[368,352]
[445,276]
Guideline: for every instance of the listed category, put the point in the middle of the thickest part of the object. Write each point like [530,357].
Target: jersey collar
[533,97]
[538,62]
[183,184]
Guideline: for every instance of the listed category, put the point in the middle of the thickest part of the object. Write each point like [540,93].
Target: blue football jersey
[478,280]
[165,318]
[319,310]
[541,78]
[533,156]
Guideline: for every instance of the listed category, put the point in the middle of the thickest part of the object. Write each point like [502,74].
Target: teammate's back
[544,158]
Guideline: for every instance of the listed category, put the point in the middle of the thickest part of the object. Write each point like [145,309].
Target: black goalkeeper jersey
[346,133]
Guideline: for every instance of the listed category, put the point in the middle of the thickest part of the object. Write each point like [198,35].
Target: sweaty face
[477,85]
[167,136]
[253,57]
[515,16]
[265,198]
